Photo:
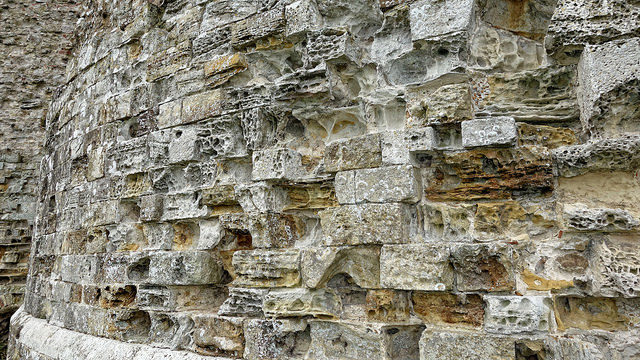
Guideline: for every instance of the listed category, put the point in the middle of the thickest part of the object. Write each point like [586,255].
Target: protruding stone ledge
[36,339]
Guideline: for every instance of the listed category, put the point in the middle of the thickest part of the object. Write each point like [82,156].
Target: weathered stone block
[588,313]
[355,153]
[387,305]
[178,268]
[397,145]
[489,132]
[453,346]
[223,68]
[243,302]
[277,164]
[363,341]
[204,105]
[609,75]
[368,224]
[483,267]
[384,184]
[302,15]
[430,20]
[218,336]
[272,230]
[266,268]
[615,267]
[442,309]
[581,218]
[517,314]
[258,26]
[619,153]
[416,267]
[301,302]
[361,264]
[276,339]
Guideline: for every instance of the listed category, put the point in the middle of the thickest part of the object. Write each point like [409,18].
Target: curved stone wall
[341,179]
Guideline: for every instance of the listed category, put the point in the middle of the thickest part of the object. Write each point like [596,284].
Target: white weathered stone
[489,132]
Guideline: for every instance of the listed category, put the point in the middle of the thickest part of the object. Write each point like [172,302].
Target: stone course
[340,179]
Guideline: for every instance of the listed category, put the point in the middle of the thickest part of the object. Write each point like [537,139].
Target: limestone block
[551,137]
[180,268]
[277,164]
[218,336]
[221,13]
[168,61]
[183,206]
[301,16]
[169,114]
[354,153]
[444,100]
[275,339]
[443,309]
[517,314]
[528,19]
[320,265]
[258,26]
[223,68]
[619,153]
[243,302]
[178,298]
[326,45]
[577,23]
[609,75]
[151,207]
[496,49]
[431,20]
[266,268]
[310,196]
[588,313]
[363,341]
[204,105]
[615,265]
[272,230]
[261,197]
[416,267]
[489,132]
[368,224]
[398,145]
[541,95]
[394,37]
[219,195]
[582,218]
[387,305]
[436,345]
[384,184]
[301,302]
[169,330]
[483,267]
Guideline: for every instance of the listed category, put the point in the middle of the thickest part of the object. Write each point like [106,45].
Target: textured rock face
[340,179]
[36,40]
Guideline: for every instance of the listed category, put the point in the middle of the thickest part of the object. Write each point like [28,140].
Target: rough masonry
[35,43]
[341,179]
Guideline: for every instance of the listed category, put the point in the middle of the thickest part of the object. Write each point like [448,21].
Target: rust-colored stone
[449,309]
[588,313]
[387,305]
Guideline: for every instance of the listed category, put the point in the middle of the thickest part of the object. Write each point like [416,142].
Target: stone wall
[341,179]
[35,43]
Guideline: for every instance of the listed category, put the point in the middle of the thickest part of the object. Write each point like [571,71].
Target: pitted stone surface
[333,179]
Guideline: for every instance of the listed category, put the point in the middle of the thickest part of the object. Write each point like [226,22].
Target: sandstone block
[320,265]
[178,268]
[355,153]
[243,302]
[599,219]
[489,132]
[266,268]
[302,15]
[517,314]
[204,105]
[615,265]
[384,184]
[272,230]
[258,26]
[442,309]
[387,305]
[416,267]
[218,336]
[363,341]
[368,224]
[619,153]
[588,313]
[301,302]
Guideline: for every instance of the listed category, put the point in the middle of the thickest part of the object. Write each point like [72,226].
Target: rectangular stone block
[266,268]
[354,153]
[301,302]
[183,206]
[388,306]
[258,26]
[273,230]
[204,105]
[214,335]
[243,302]
[588,313]
[489,132]
[178,268]
[430,19]
[436,345]
[517,314]
[276,339]
[483,267]
[277,164]
[384,184]
[168,61]
[368,224]
[301,16]
[223,68]
[615,266]
[179,298]
[397,145]
[363,341]
[416,267]
[310,196]
[444,309]
[362,263]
